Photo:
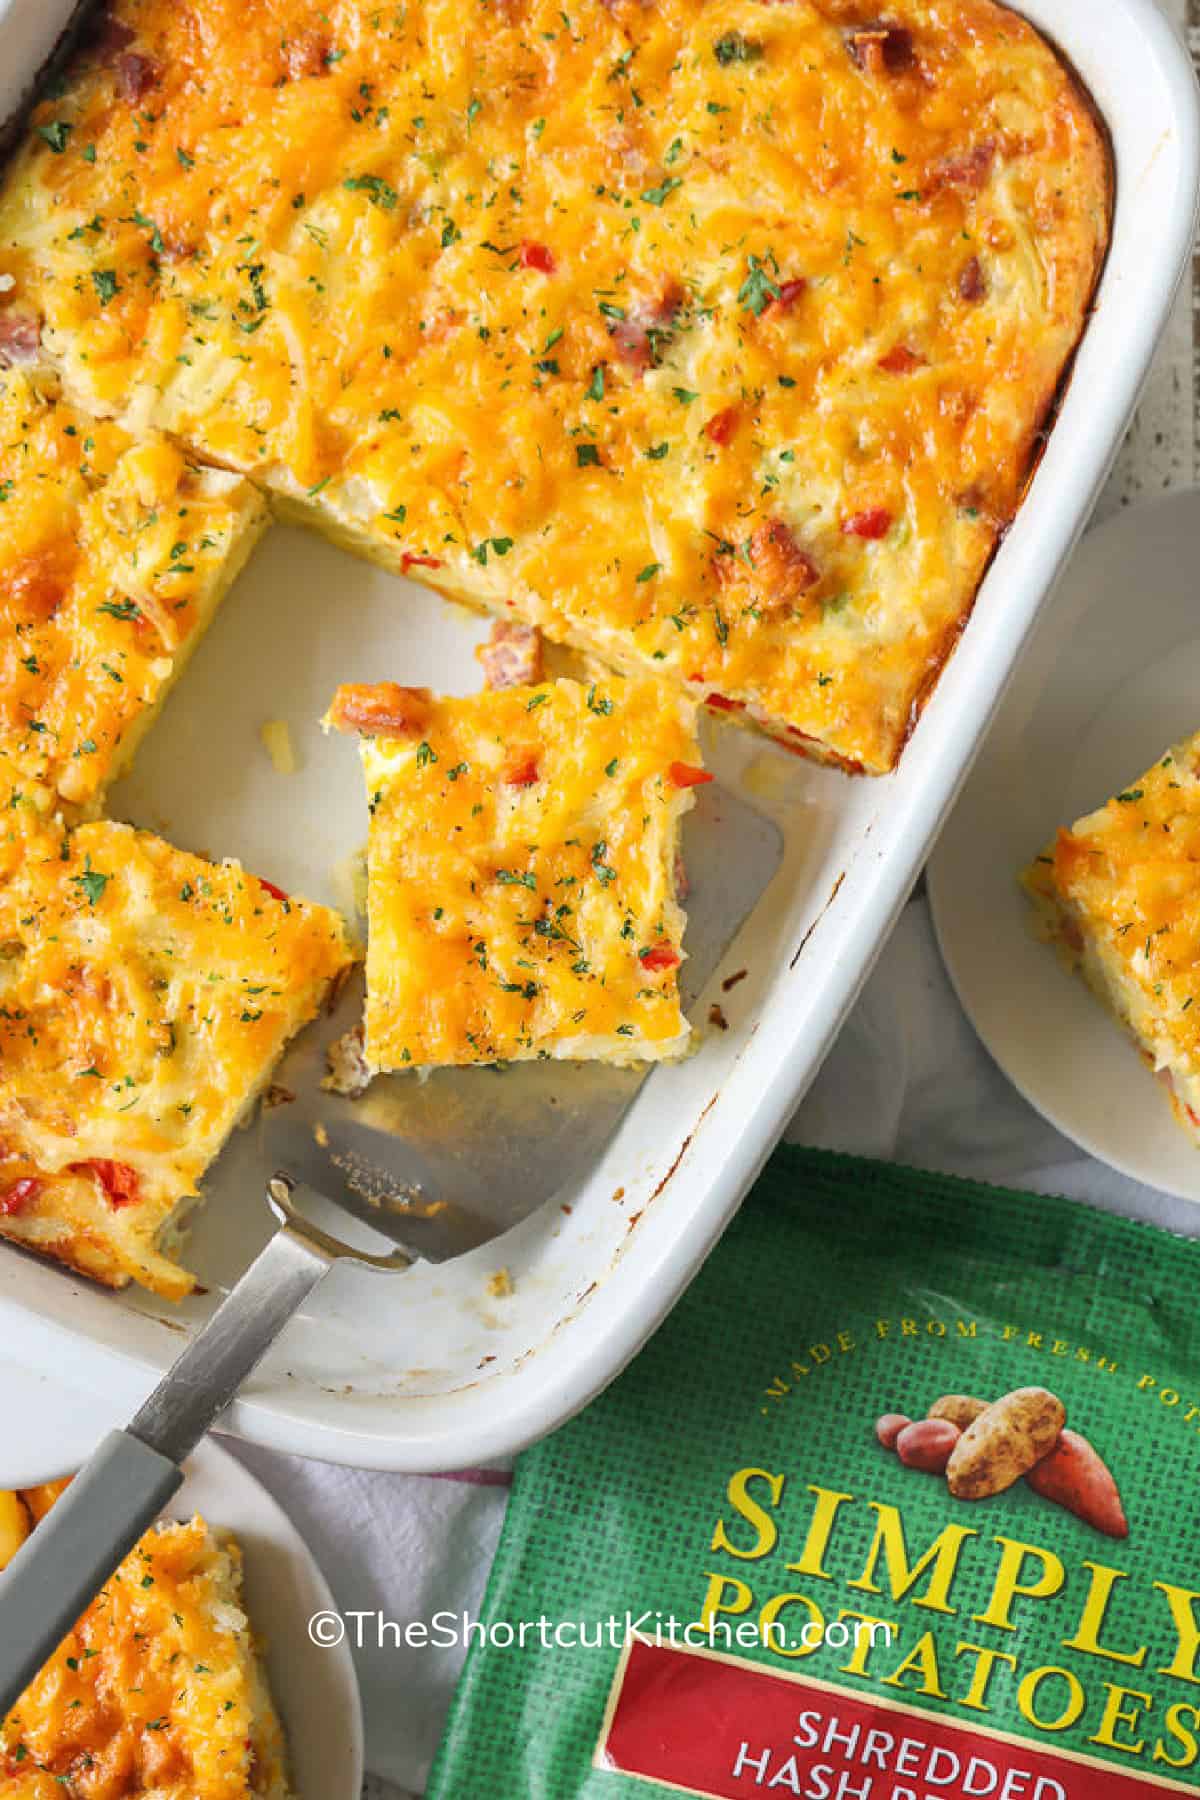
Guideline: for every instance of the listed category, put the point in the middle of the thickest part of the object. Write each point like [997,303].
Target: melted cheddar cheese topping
[1119,891]
[157,1691]
[145,996]
[521,871]
[714,337]
[113,557]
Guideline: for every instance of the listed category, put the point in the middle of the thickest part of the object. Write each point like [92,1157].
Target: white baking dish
[426,1370]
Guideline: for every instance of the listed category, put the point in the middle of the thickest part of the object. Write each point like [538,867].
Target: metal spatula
[433,1169]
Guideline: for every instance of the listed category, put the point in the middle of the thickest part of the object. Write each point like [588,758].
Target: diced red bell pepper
[521,771]
[659,956]
[276,893]
[876,522]
[536,256]
[686,775]
[900,360]
[789,293]
[16,1198]
[411,560]
[119,1181]
[721,427]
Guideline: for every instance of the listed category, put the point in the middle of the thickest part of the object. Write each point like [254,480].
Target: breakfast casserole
[158,1692]
[145,997]
[1118,893]
[113,557]
[520,870]
[714,338]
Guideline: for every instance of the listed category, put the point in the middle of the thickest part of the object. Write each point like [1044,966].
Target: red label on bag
[716,1726]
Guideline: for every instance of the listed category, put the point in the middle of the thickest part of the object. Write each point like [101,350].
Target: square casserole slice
[158,1689]
[145,997]
[113,558]
[521,869]
[1118,893]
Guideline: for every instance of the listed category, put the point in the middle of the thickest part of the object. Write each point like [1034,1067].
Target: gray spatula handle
[134,1473]
[74,1551]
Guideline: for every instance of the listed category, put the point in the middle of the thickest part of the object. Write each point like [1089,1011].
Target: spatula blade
[442,1162]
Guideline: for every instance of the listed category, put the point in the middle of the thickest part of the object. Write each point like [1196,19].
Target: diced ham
[16,1198]
[136,75]
[783,571]
[383,710]
[875,522]
[20,338]
[637,336]
[1069,931]
[687,775]
[109,35]
[969,169]
[659,956]
[536,256]
[881,49]
[512,656]
[972,283]
[901,361]
[120,1182]
[721,427]
[306,54]
[346,1063]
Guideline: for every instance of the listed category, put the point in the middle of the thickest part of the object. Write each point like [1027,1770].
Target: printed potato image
[961,1409]
[889,1427]
[1075,1475]
[928,1445]
[1004,1443]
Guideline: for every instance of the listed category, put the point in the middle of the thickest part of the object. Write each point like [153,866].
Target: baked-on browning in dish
[113,557]
[159,1691]
[1119,894]
[520,870]
[714,338]
[145,996]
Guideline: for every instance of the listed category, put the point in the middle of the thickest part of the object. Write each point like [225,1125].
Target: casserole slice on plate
[158,1691]
[1118,894]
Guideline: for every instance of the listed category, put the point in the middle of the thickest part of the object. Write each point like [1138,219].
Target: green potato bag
[718,1580]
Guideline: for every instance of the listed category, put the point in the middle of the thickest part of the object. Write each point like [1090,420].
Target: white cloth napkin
[907,1081]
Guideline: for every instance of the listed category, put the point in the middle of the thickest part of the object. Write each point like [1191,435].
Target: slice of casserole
[520,871]
[713,338]
[145,997]
[113,558]
[159,1691]
[1118,893]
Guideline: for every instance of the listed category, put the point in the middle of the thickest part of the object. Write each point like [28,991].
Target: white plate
[429,1370]
[1111,680]
[315,1689]
[50,1429]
